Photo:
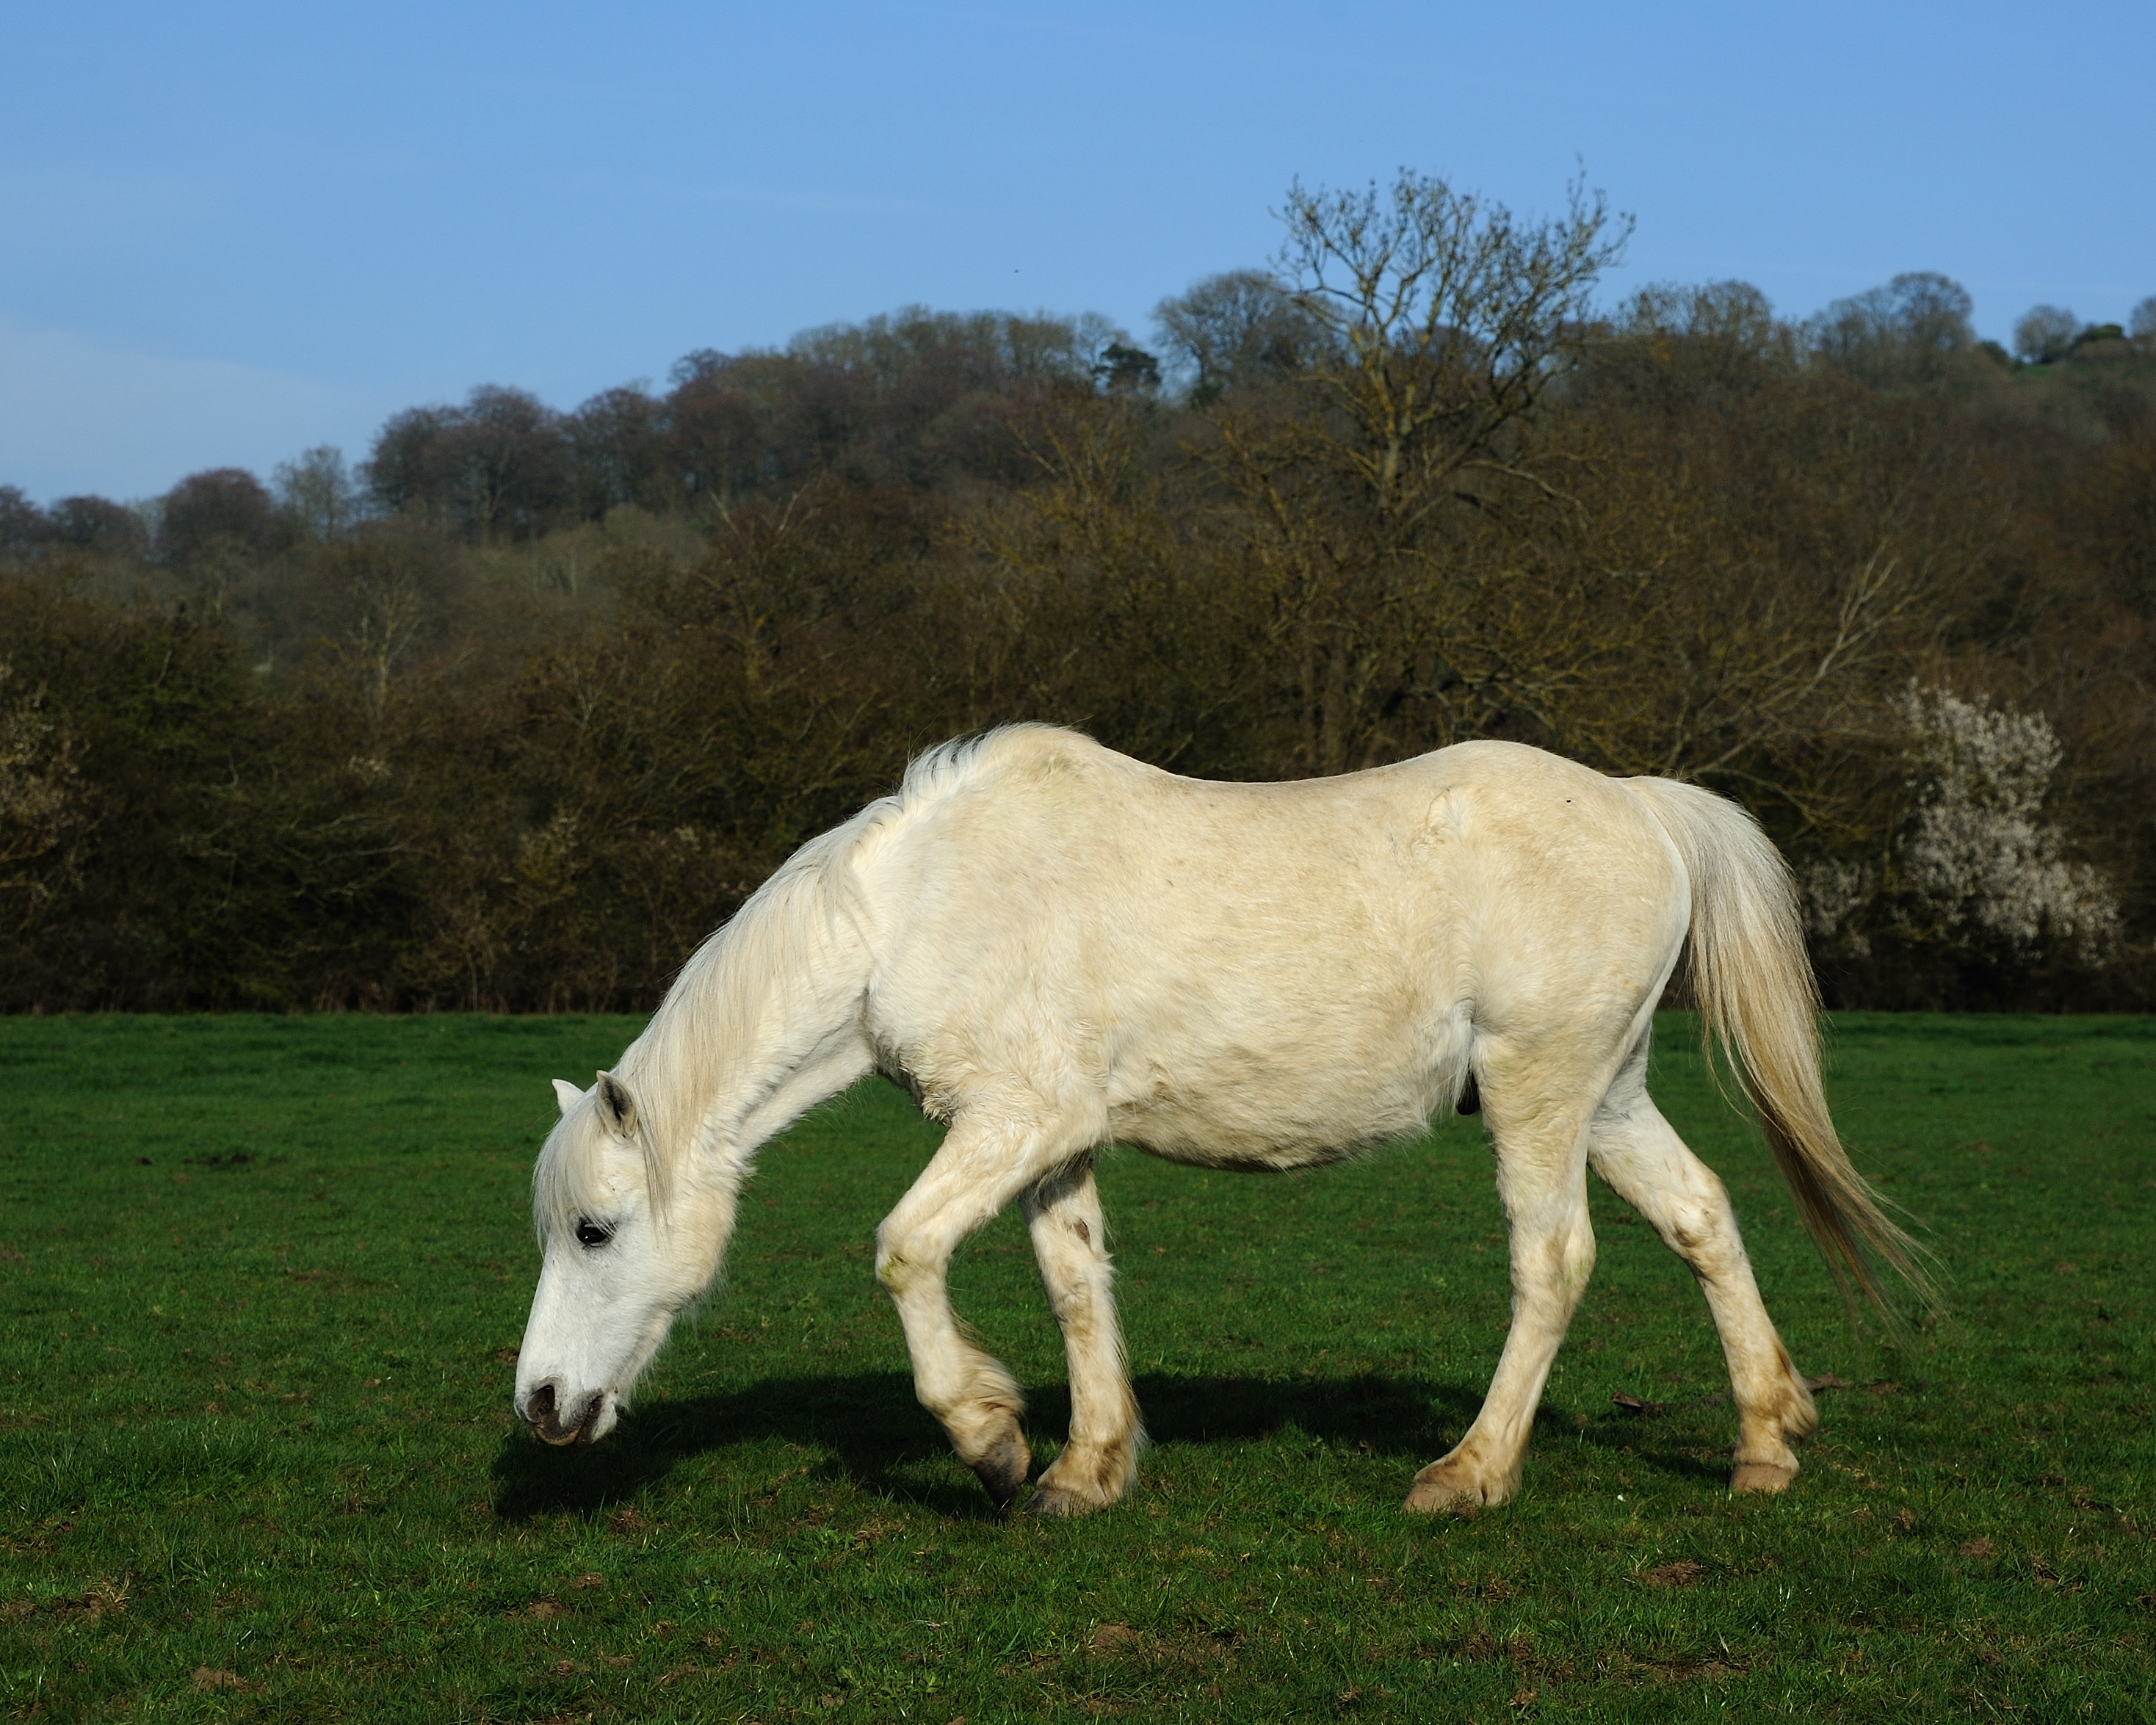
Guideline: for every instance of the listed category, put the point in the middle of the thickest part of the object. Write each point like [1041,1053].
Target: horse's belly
[1264,1118]
[1215,1150]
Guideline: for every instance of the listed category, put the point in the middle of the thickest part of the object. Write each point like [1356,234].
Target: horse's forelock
[565,1183]
[560,1182]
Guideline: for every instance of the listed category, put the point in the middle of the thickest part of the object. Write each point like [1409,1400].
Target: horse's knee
[1557,1265]
[1579,1257]
[899,1263]
[1702,1229]
[1691,1227]
[1696,1217]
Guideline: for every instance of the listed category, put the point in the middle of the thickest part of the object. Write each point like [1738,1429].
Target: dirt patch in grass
[1683,1572]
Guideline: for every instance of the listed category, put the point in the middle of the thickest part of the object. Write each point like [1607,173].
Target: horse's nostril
[539,1406]
[549,1424]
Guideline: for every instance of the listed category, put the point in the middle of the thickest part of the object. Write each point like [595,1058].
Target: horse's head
[627,1244]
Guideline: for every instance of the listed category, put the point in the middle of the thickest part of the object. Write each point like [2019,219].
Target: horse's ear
[616,1106]
[567,1094]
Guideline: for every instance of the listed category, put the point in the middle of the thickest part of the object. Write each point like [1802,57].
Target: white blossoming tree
[1973,870]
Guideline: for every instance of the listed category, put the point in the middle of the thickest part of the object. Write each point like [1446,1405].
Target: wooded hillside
[511,713]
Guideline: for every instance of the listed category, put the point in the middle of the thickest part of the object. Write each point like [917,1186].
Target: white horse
[1054,947]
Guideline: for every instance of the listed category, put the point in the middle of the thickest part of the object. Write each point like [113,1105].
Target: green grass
[263,1281]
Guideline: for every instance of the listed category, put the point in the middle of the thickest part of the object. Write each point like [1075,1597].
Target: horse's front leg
[981,1165]
[1100,1465]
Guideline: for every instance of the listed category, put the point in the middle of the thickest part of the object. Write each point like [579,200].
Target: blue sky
[235,231]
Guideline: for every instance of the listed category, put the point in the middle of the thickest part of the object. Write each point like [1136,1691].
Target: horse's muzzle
[548,1426]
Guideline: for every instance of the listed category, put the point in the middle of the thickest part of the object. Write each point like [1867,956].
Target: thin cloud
[76,416]
[751,195]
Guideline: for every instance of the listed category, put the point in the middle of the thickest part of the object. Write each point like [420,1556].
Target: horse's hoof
[1003,1470]
[1441,1487]
[1762,1477]
[1085,1477]
[1060,1506]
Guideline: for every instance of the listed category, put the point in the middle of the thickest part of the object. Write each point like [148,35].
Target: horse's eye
[590,1233]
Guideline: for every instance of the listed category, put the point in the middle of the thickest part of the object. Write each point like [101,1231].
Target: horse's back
[1240,972]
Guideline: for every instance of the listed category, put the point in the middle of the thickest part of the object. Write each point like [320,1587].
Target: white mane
[725,994]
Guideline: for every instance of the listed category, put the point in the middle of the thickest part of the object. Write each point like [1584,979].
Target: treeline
[510,714]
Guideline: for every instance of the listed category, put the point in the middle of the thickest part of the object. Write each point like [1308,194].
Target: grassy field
[263,1281]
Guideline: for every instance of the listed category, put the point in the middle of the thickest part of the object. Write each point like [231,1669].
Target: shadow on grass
[1667,1450]
[879,1435]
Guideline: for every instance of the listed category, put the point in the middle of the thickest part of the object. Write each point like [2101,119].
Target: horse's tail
[1757,996]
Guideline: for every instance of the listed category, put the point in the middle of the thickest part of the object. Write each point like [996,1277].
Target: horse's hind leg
[977,1171]
[1538,1125]
[1100,1465]
[1633,1148]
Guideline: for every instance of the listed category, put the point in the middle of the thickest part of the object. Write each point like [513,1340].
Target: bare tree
[498,466]
[2046,333]
[23,528]
[1909,331]
[615,444]
[213,524]
[2141,325]
[1440,320]
[99,526]
[380,605]
[319,493]
[1444,320]
[1241,327]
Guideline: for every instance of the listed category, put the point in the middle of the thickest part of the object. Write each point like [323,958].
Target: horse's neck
[763,1024]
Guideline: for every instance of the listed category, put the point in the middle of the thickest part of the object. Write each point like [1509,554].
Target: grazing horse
[1054,947]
